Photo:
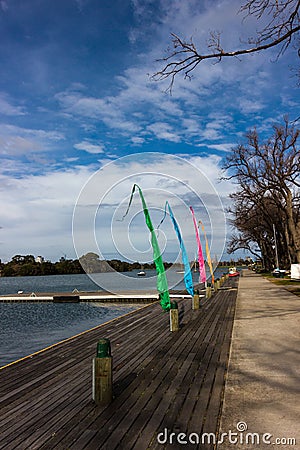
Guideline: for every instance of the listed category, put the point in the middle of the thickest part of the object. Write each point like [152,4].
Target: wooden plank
[97,438]
[66,298]
[104,423]
[198,393]
[200,410]
[212,418]
[87,424]
[152,425]
[181,392]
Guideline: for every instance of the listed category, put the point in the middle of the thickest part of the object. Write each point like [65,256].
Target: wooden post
[208,290]
[195,300]
[174,318]
[216,285]
[102,374]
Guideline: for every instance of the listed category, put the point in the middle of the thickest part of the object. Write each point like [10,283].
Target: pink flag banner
[208,258]
[200,253]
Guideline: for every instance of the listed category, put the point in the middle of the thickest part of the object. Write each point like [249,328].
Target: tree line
[265,211]
[27,265]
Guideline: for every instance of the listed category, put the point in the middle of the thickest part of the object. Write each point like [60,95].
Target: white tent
[295,271]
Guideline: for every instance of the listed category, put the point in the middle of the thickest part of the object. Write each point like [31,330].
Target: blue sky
[76,96]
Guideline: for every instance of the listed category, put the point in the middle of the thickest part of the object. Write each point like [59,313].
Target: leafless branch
[279,31]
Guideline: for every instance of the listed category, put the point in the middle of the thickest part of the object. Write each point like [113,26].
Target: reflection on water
[27,328]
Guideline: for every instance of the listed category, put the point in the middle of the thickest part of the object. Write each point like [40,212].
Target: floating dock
[101,297]
[163,382]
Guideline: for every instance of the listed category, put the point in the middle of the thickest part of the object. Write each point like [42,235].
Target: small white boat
[141,273]
[232,272]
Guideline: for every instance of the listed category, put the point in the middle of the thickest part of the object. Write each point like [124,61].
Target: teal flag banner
[188,279]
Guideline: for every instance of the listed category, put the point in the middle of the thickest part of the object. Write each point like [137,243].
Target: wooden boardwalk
[162,380]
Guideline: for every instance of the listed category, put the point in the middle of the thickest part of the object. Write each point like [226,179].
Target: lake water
[27,328]
[113,282]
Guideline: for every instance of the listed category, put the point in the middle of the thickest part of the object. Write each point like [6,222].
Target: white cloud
[193,180]
[36,212]
[7,109]
[37,209]
[23,141]
[16,145]
[89,147]
[3,5]
[139,105]
[164,131]
[38,133]
[81,4]
[136,140]
[223,147]
[192,126]
[109,110]
[250,106]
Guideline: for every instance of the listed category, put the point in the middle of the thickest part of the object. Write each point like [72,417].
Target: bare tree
[281,30]
[254,217]
[270,171]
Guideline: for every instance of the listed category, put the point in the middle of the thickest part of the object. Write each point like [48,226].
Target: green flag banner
[162,283]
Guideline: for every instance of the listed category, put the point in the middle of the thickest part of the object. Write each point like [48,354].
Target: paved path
[263,382]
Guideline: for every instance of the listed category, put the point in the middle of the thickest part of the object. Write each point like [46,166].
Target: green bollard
[102,374]
[103,348]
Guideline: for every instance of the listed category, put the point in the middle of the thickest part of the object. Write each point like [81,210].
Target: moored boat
[232,272]
[141,273]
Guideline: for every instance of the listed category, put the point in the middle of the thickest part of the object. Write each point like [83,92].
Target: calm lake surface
[113,282]
[27,328]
